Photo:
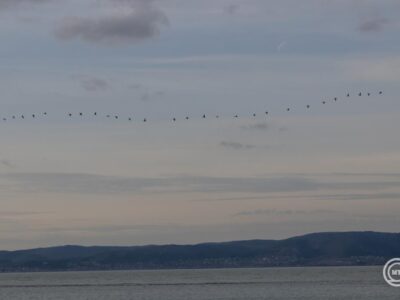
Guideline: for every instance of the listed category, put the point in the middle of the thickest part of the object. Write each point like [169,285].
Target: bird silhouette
[174,119]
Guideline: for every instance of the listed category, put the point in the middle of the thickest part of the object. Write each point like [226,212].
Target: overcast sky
[96,180]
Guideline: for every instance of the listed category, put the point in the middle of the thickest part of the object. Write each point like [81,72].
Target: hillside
[318,249]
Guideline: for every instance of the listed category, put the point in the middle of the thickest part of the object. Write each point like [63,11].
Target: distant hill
[318,249]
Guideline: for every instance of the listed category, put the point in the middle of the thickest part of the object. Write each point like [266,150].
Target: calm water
[289,283]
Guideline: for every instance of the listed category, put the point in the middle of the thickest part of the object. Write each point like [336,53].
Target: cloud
[231,9]
[156,95]
[236,145]
[109,228]
[135,86]
[373,25]
[15,3]
[7,163]
[145,97]
[14,214]
[281,46]
[98,184]
[137,21]
[81,183]
[374,69]
[93,84]
[256,126]
[148,96]
[320,196]
[160,93]
[353,196]
[289,212]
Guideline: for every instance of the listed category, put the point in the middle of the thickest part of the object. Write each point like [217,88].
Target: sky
[101,181]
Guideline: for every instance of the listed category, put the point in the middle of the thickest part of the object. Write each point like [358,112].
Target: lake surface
[276,283]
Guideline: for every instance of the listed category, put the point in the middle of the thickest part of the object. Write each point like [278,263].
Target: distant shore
[318,249]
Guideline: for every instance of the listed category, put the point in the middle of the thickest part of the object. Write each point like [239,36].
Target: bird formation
[174,119]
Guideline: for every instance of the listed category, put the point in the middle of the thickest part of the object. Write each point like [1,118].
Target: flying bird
[174,119]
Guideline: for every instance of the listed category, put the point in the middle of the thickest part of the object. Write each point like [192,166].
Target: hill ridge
[313,249]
